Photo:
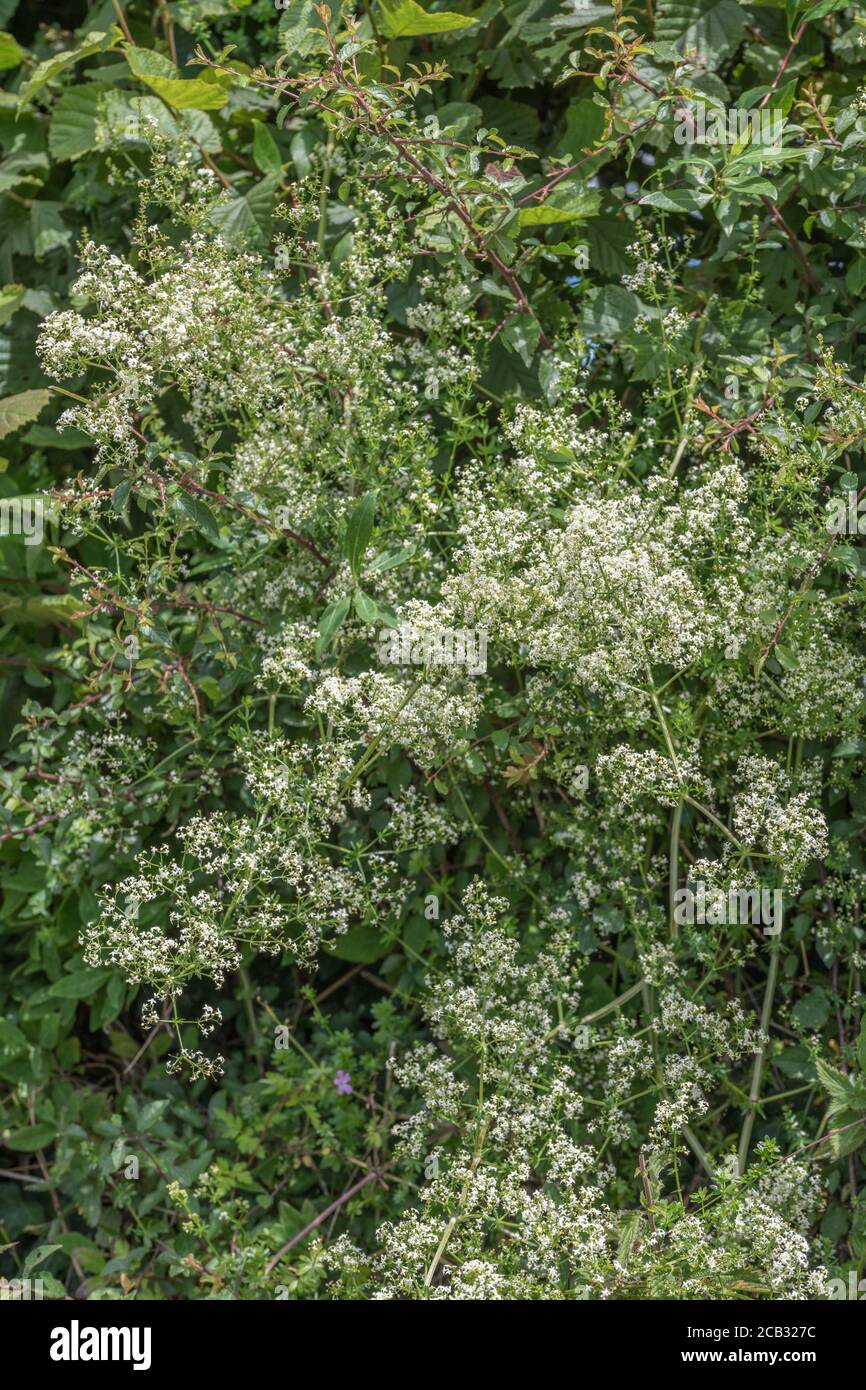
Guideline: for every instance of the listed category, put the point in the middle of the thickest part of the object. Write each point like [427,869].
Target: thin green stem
[757,1072]
[699,1152]
[674,858]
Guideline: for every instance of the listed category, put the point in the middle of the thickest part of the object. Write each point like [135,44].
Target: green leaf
[846,1143]
[608,242]
[301,31]
[359,529]
[569,203]
[782,98]
[584,124]
[795,1061]
[861,1046]
[360,945]
[676,200]
[156,631]
[120,497]
[546,215]
[834,1223]
[161,77]
[711,28]
[38,1255]
[81,984]
[12,1040]
[583,13]
[35,678]
[387,615]
[521,335]
[855,276]
[366,608]
[47,437]
[16,411]
[610,311]
[11,53]
[786,657]
[73,125]
[850,748]
[401,19]
[629,1230]
[29,1138]
[200,515]
[45,72]
[49,229]
[188,96]
[11,298]
[389,559]
[246,218]
[813,1010]
[822,9]
[266,151]
[835,1083]
[59,608]
[332,620]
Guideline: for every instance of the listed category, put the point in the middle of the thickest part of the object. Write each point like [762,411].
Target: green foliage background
[768,263]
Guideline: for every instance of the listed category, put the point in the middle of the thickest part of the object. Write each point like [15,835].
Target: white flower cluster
[416,821]
[793,831]
[516,1210]
[427,720]
[268,885]
[618,585]
[287,657]
[629,773]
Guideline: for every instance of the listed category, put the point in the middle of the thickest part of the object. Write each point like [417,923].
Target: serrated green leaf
[157,73]
[610,311]
[301,32]
[835,1083]
[710,28]
[72,131]
[400,19]
[246,218]
[49,69]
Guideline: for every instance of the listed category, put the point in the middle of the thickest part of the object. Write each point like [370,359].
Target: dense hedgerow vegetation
[337,342]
